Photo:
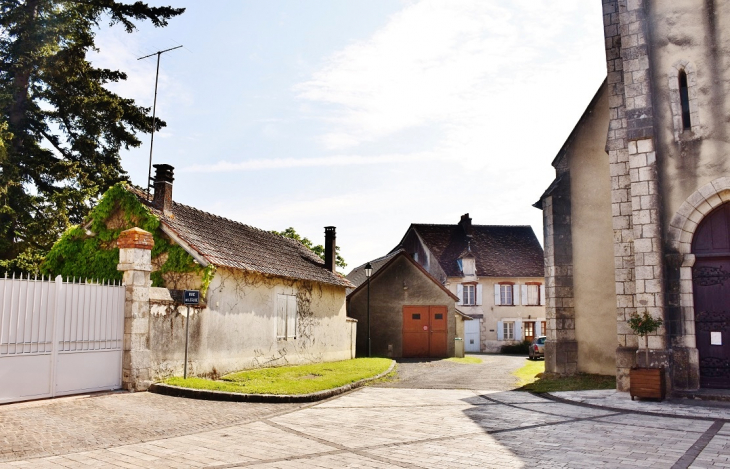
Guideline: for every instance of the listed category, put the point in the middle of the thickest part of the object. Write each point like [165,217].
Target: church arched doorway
[711,287]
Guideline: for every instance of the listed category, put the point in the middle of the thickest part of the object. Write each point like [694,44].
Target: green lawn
[302,379]
[466,360]
[531,379]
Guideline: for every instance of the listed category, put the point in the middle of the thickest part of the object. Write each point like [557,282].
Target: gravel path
[494,373]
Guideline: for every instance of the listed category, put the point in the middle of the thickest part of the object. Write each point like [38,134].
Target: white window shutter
[538,331]
[500,330]
[518,330]
[460,293]
[516,294]
[291,317]
[542,295]
[524,295]
[479,294]
[280,316]
[497,301]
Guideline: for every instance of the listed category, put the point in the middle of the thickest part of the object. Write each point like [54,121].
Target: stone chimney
[330,248]
[163,187]
[465,224]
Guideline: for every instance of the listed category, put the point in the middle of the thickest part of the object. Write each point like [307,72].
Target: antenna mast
[154,109]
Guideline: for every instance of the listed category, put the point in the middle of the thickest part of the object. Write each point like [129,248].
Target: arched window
[684,100]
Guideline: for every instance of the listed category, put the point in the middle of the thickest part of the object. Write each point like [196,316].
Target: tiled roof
[499,251]
[357,275]
[382,264]
[227,243]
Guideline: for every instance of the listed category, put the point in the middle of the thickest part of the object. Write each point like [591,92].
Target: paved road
[494,373]
[374,427]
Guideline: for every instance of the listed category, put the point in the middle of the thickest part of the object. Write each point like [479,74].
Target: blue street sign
[191,297]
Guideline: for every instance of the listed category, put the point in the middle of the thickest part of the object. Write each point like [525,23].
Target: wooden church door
[711,286]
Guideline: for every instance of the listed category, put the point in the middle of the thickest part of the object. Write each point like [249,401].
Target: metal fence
[59,337]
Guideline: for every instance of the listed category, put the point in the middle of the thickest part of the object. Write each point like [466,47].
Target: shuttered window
[469,295]
[286,317]
[508,330]
[505,295]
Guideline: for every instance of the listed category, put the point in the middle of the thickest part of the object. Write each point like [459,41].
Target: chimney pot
[330,248]
[164,177]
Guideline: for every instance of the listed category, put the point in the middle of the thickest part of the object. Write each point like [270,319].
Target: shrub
[522,348]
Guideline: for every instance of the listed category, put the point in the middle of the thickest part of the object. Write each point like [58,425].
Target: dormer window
[468,266]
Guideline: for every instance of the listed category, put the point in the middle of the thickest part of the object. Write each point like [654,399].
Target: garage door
[425,331]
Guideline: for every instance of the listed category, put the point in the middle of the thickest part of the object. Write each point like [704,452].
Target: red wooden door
[439,331]
[425,331]
[415,331]
[711,286]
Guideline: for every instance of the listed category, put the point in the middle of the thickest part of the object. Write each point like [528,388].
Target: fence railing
[78,316]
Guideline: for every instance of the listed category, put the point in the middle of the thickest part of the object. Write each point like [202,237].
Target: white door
[59,338]
[471,336]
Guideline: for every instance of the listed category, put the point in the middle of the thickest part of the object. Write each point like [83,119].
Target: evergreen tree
[62,130]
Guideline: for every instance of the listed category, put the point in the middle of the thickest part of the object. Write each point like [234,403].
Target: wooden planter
[647,383]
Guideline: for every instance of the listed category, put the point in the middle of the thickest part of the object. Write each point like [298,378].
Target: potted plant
[646,382]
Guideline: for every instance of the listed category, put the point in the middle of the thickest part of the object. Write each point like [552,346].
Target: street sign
[191,297]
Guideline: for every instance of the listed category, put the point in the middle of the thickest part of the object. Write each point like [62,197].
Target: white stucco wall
[237,329]
[493,314]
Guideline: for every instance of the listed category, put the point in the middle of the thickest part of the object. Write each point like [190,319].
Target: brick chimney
[330,248]
[465,224]
[163,187]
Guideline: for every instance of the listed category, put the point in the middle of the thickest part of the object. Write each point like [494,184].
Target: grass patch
[531,378]
[466,360]
[301,379]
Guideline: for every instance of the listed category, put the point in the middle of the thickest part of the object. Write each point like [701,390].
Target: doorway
[425,331]
[711,287]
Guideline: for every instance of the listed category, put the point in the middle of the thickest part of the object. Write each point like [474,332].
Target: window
[505,295]
[543,331]
[684,100]
[286,317]
[469,297]
[533,294]
[508,330]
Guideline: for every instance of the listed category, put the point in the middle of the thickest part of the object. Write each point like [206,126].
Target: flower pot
[647,383]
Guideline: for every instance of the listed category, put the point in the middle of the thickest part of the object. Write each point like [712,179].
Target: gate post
[135,260]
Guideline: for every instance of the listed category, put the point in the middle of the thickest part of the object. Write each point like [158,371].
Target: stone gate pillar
[135,260]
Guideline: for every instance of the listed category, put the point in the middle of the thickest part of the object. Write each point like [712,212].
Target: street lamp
[368,273]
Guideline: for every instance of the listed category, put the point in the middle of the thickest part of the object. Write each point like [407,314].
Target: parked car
[537,348]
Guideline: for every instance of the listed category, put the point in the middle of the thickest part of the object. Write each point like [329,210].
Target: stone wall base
[625,359]
[685,370]
[561,358]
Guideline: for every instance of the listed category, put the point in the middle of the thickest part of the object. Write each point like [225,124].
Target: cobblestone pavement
[373,427]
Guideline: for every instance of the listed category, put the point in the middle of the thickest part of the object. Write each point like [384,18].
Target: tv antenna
[154,109]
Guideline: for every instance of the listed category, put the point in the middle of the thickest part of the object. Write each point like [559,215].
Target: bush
[523,348]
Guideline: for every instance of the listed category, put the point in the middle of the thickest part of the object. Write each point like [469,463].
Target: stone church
[638,216]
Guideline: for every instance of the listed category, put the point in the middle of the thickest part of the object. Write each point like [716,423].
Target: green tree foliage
[64,128]
[318,249]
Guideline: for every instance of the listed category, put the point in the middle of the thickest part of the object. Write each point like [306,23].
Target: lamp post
[368,273]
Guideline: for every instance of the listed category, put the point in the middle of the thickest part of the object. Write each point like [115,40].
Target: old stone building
[637,218]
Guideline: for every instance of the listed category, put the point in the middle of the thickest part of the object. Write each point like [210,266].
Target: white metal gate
[59,338]
[471,336]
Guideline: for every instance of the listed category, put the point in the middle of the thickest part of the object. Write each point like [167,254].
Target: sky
[367,115]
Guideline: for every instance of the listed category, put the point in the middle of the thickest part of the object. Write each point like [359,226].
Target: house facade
[637,220]
[268,300]
[411,314]
[496,272]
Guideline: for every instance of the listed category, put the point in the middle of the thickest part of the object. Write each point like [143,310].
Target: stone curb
[177,391]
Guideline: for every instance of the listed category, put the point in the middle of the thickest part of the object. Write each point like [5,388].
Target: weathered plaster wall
[237,329]
[493,313]
[594,294]
[400,284]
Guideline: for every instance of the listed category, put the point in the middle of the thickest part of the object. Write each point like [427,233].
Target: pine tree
[62,129]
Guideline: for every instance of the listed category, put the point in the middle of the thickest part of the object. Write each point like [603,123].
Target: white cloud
[283,163]
[472,71]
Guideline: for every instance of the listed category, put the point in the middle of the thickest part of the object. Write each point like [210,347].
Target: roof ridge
[456,224]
